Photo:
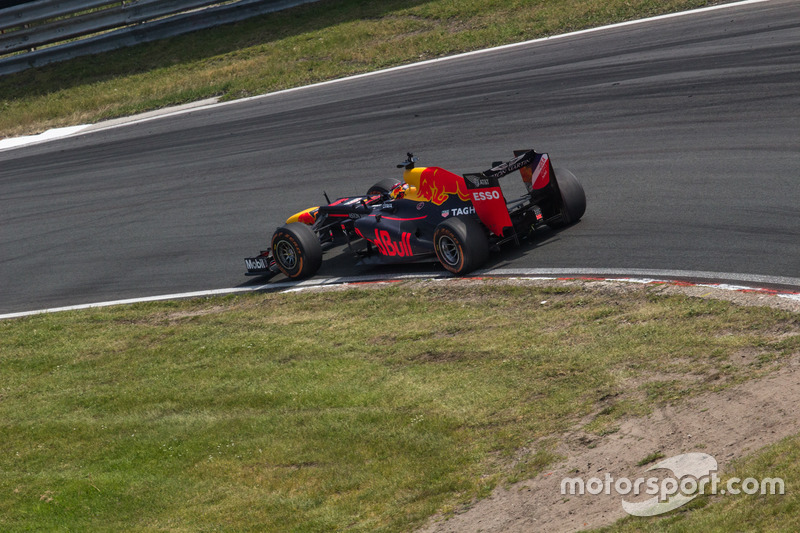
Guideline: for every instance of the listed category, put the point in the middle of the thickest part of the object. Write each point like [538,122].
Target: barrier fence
[46,31]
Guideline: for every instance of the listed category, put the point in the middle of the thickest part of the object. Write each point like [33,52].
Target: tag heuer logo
[445,213]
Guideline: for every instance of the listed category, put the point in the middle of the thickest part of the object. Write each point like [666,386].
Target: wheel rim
[285,254]
[448,250]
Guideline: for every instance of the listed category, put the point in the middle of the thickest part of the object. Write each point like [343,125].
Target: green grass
[320,41]
[363,410]
[651,458]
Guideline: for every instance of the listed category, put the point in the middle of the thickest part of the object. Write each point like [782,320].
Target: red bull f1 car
[430,215]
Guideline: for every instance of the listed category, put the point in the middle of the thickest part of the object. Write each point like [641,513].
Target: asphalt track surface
[684,131]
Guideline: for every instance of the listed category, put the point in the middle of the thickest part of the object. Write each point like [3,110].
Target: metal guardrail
[40,10]
[44,22]
[111,16]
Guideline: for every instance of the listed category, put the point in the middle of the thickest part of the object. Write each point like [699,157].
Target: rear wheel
[384,186]
[573,199]
[461,244]
[296,250]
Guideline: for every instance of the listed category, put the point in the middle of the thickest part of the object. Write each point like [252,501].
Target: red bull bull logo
[436,185]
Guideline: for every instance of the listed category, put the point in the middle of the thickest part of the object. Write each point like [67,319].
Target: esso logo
[486,195]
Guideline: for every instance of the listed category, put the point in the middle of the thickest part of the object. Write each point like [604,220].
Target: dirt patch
[177,316]
[727,425]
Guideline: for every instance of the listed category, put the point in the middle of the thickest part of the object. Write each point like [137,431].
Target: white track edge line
[91,128]
[752,282]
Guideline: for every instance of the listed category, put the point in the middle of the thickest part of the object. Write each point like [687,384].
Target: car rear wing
[487,197]
[530,165]
[522,158]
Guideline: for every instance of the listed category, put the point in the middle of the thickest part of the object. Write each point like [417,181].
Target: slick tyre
[384,186]
[296,250]
[461,244]
[573,199]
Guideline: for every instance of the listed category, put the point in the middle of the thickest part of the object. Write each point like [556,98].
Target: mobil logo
[437,184]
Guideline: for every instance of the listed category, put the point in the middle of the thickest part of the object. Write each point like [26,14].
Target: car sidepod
[400,231]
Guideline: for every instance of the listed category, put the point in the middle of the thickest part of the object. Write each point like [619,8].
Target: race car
[430,215]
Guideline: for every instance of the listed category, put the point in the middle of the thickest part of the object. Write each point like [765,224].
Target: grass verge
[364,410]
[320,41]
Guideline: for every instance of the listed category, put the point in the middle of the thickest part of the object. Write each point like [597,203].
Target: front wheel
[461,244]
[296,250]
